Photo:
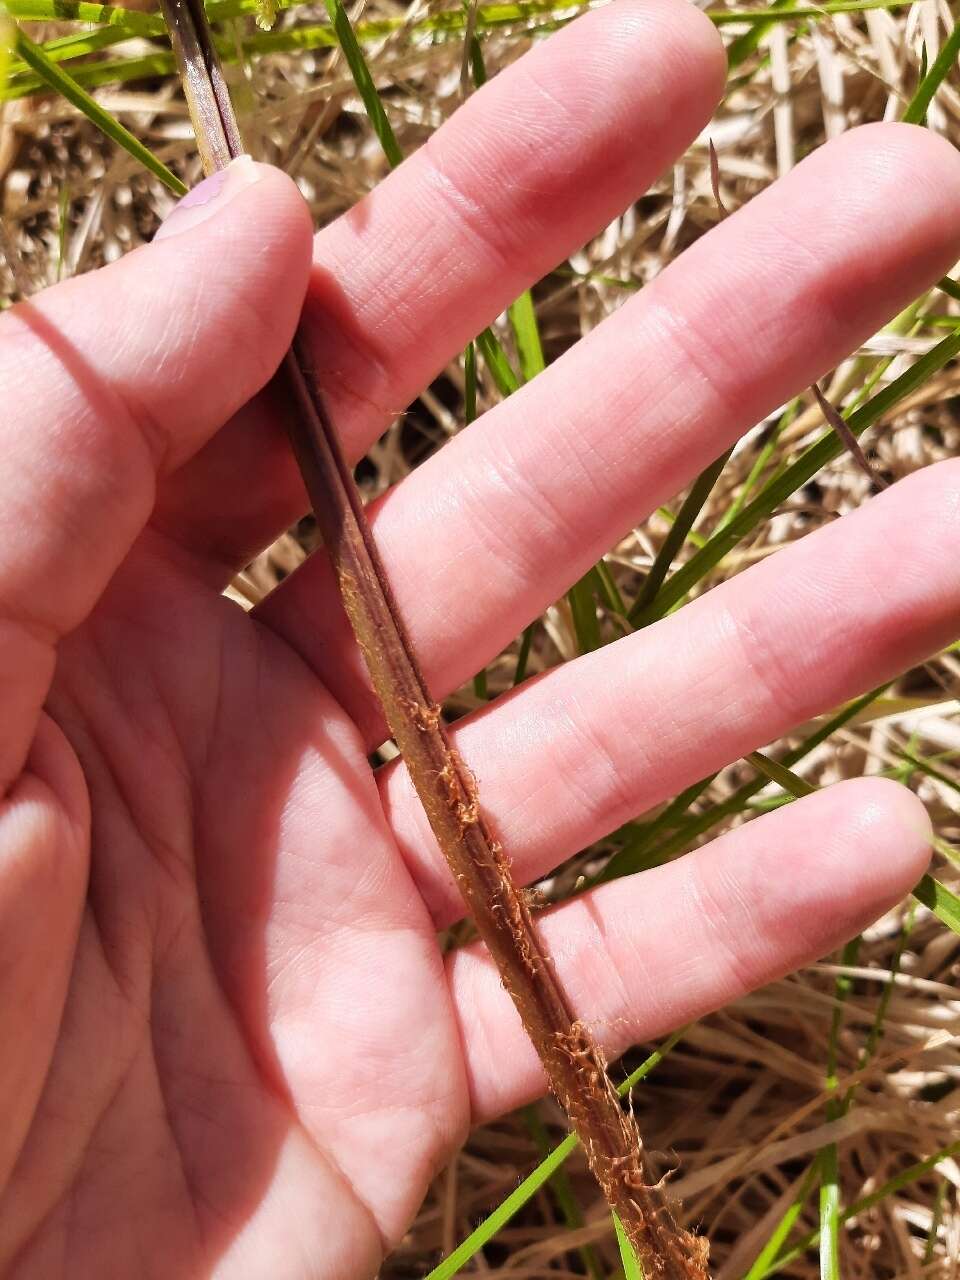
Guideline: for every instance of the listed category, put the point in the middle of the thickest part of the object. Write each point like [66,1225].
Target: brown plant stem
[573,1063]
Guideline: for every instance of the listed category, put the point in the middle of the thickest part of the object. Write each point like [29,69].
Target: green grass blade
[364,82]
[475,58]
[759,467]
[520,313]
[842,989]
[780,774]
[906,322]
[138,24]
[625,861]
[63,213]
[523,656]
[730,17]
[903,1179]
[443,25]
[93,74]
[524,323]
[829,1214]
[469,415]
[8,38]
[919,105]
[942,901]
[782,486]
[451,21]
[925,766]
[936,1218]
[57,79]
[495,358]
[944,904]
[632,1269]
[583,609]
[472,65]
[514,1202]
[747,44]
[693,504]
[828,1161]
[778,1237]
[876,1028]
[493,354]
[504,1211]
[631,857]
[440,26]
[523,319]
[77,45]
[160,63]
[470,383]
[562,1190]
[767,1256]
[609,591]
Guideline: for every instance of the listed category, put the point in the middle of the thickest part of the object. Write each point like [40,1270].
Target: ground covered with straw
[853,1062]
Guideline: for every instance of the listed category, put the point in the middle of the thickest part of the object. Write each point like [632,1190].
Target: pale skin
[231,1045]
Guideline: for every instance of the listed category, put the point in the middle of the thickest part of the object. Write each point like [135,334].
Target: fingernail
[208,197]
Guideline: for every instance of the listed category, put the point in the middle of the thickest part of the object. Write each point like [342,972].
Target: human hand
[232,1045]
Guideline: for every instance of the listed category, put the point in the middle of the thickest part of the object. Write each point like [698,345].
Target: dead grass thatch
[740,1104]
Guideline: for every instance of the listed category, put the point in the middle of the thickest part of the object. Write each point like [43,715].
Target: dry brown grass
[741,1101]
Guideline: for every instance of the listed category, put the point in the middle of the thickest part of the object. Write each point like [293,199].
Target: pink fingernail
[208,197]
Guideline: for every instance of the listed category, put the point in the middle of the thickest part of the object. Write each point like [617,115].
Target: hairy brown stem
[573,1063]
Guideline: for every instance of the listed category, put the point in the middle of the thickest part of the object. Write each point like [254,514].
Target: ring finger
[569,757]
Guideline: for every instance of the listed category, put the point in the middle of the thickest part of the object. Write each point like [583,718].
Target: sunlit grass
[500,361]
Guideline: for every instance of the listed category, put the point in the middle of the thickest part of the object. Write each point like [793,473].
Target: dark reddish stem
[573,1063]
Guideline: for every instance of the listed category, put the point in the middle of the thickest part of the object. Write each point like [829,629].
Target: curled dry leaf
[715,179]
[839,424]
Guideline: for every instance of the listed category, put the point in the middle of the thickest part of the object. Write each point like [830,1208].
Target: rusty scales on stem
[573,1063]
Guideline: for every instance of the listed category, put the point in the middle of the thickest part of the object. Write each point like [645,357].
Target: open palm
[232,1045]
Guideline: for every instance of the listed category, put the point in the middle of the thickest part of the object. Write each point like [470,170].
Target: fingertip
[894,832]
[907,175]
[697,40]
[909,153]
[690,65]
[282,213]
[241,221]
[275,234]
[631,84]
[242,193]
[680,26]
[811,875]
[876,843]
